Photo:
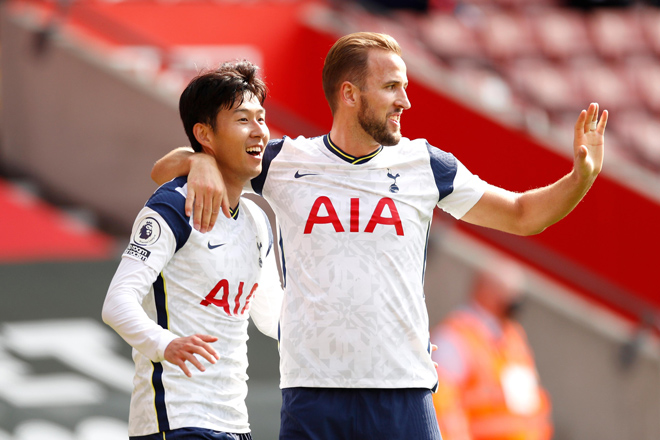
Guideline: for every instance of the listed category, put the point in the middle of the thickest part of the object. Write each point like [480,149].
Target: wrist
[582,179]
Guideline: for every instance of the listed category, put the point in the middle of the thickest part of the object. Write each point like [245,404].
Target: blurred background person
[488,383]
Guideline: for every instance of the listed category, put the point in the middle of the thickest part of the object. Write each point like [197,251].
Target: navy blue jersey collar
[347,157]
[234,212]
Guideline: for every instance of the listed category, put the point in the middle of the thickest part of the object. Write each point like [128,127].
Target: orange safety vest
[500,398]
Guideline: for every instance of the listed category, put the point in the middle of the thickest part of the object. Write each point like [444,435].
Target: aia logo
[230,303]
[378,217]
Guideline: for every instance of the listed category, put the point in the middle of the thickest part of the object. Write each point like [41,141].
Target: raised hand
[589,142]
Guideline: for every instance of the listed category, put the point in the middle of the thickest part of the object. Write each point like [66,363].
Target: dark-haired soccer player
[182,296]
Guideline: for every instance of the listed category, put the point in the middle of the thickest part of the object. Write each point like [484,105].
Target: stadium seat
[643,74]
[650,23]
[616,33]
[600,82]
[448,37]
[641,132]
[545,84]
[507,35]
[561,33]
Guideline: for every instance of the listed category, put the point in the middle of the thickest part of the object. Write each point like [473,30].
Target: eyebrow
[245,110]
[396,82]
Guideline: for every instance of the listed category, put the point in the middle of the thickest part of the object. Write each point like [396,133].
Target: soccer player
[354,209]
[180,296]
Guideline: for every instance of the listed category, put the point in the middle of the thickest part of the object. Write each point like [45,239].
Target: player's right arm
[206,189]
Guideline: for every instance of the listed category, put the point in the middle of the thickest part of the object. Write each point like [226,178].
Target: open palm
[589,141]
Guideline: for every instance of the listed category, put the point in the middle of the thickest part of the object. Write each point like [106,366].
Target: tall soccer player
[354,209]
[181,297]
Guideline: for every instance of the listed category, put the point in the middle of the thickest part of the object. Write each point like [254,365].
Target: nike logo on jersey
[298,175]
[213,246]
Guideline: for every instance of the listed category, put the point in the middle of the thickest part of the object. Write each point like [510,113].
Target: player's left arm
[531,212]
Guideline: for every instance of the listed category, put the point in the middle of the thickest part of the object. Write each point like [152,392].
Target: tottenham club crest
[393,187]
[147,232]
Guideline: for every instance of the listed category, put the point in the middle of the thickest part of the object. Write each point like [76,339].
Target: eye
[243,120]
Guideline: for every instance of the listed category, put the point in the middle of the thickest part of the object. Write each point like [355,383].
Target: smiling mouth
[254,151]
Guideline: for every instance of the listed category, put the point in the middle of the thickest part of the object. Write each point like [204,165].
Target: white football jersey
[354,233]
[189,283]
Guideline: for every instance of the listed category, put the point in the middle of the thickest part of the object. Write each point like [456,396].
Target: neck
[348,135]
[233,189]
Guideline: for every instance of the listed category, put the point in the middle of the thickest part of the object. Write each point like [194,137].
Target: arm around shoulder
[174,164]
[206,188]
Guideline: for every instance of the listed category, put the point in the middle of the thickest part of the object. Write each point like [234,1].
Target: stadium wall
[89,136]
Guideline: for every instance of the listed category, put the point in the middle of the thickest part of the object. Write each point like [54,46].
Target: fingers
[182,364]
[215,211]
[198,213]
[207,213]
[588,120]
[603,122]
[183,350]
[225,206]
[581,123]
[190,200]
[592,117]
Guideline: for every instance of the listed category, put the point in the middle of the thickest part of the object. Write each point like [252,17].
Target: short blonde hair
[347,61]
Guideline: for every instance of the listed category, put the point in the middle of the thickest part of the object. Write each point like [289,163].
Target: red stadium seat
[641,132]
[448,37]
[561,33]
[617,33]
[545,84]
[643,74]
[600,82]
[507,35]
[650,22]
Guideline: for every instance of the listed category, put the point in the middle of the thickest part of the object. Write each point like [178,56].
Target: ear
[349,93]
[204,135]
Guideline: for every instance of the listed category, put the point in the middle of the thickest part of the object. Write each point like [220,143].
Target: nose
[403,101]
[260,130]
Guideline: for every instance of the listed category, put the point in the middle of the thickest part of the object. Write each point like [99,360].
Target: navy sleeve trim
[272,150]
[444,168]
[170,204]
[270,233]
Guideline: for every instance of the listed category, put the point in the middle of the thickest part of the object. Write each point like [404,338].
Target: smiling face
[238,140]
[383,97]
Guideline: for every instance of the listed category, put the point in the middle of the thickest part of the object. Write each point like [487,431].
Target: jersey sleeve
[158,231]
[273,148]
[265,308]
[122,309]
[468,189]
[152,240]
[459,190]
